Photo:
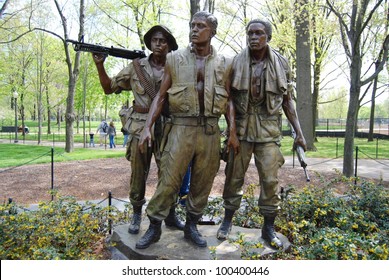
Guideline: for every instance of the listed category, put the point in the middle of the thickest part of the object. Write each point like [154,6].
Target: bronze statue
[143,77]
[260,85]
[193,85]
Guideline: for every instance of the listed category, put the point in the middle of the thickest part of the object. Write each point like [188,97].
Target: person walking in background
[102,130]
[111,134]
[91,139]
[260,87]
[125,135]
[143,77]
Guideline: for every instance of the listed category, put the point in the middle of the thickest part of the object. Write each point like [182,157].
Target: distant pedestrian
[111,134]
[102,129]
[126,135]
[91,139]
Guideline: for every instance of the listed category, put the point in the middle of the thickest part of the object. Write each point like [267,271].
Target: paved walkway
[368,168]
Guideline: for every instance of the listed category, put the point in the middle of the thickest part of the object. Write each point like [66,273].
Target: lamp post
[16,115]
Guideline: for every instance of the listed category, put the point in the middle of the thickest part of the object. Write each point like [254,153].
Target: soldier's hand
[300,141]
[99,57]
[145,136]
[233,143]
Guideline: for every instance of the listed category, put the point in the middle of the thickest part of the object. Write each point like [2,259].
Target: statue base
[173,245]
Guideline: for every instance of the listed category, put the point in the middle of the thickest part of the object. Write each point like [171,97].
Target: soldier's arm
[156,108]
[291,114]
[105,80]
[233,141]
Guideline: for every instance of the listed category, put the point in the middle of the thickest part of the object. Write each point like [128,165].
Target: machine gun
[117,52]
[300,155]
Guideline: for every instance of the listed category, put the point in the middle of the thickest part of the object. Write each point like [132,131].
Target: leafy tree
[3,7]
[323,34]
[335,104]
[356,23]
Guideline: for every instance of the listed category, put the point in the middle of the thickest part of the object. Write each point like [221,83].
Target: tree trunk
[351,122]
[73,76]
[348,158]
[370,137]
[315,97]
[303,73]
[84,89]
[194,8]
[40,89]
[48,102]
[69,115]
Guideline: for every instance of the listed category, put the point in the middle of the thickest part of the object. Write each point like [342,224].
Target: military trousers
[140,167]
[186,144]
[268,160]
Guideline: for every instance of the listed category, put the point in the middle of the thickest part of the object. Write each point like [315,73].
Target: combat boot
[225,227]
[152,235]
[173,221]
[136,220]
[191,232]
[269,234]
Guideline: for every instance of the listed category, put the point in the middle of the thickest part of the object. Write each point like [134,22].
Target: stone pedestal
[173,245]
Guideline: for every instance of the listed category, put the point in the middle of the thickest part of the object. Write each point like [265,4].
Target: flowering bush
[58,230]
[323,225]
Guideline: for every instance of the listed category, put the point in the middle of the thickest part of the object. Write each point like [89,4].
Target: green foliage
[247,215]
[214,208]
[58,230]
[321,225]
[247,247]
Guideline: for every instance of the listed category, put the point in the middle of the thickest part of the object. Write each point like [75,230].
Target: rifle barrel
[306,175]
[112,51]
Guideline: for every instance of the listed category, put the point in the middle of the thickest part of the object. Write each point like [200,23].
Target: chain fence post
[109,212]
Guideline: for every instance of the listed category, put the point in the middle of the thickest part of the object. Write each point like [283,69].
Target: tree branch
[3,8]
[380,66]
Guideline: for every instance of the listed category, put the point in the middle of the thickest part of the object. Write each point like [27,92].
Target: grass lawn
[19,154]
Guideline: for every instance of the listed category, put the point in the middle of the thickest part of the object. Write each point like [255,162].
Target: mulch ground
[93,179]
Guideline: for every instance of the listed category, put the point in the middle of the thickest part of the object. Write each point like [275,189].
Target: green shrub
[58,230]
[248,214]
[322,225]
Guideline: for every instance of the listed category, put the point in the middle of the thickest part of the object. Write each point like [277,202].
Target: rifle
[300,155]
[117,52]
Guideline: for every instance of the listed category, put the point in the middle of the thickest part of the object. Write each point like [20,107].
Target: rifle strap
[146,83]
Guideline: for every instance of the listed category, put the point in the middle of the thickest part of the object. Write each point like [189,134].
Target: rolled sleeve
[122,81]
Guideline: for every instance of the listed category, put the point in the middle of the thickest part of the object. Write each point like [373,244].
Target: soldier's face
[159,44]
[256,36]
[200,31]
